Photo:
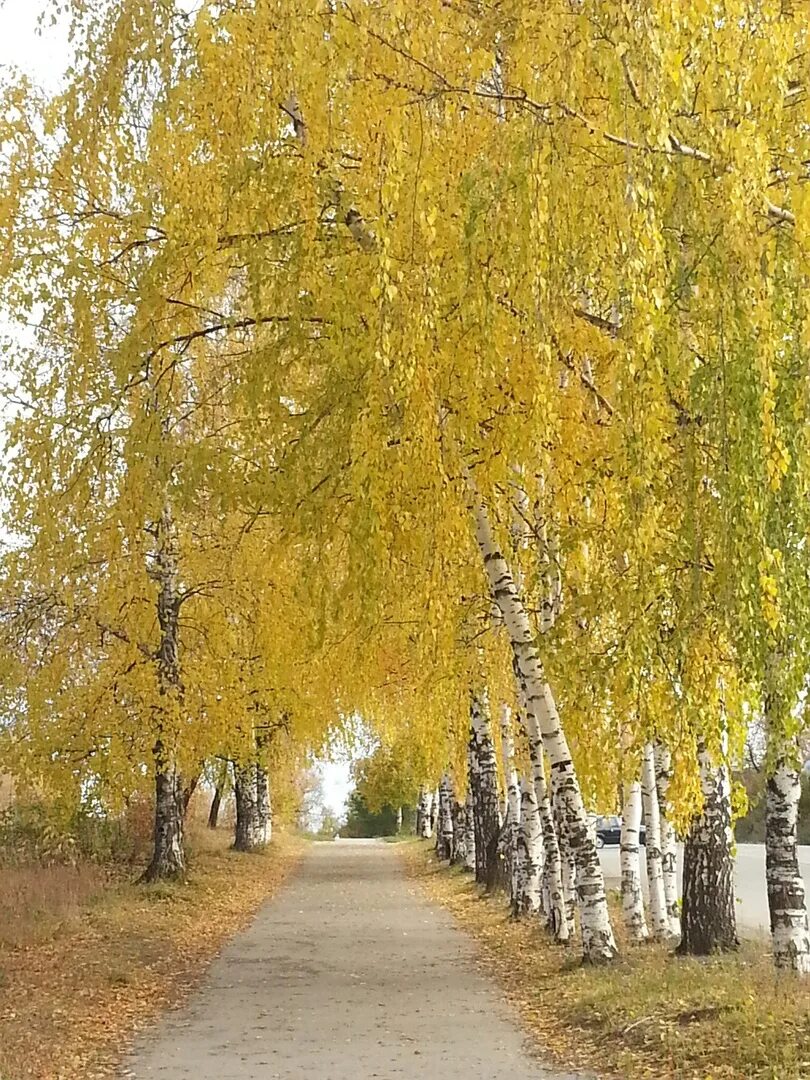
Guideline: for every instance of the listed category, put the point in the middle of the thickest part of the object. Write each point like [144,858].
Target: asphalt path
[348,973]
[749,882]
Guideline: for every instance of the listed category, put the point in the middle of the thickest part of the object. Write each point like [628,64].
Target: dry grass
[102,963]
[651,1015]
[36,902]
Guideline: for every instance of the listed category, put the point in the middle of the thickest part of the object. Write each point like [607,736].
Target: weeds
[36,900]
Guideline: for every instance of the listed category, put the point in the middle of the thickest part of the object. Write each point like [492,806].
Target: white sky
[44,57]
[43,54]
[336,784]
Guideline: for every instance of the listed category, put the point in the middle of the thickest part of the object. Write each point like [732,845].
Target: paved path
[749,882]
[348,974]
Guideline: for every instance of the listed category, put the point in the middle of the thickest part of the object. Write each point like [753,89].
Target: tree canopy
[306,285]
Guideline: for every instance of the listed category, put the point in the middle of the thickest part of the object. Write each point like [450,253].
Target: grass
[82,975]
[650,1015]
[38,901]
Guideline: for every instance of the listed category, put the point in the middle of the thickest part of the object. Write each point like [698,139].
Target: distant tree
[312,812]
[362,822]
[330,826]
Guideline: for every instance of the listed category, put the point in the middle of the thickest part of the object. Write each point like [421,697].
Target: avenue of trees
[443,364]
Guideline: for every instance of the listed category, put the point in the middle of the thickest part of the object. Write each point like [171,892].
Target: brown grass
[36,902]
[651,1014]
[101,960]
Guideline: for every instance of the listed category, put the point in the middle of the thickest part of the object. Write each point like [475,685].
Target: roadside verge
[651,1014]
[69,1005]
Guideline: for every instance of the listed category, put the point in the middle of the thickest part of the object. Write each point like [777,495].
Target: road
[348,974]
[749,882]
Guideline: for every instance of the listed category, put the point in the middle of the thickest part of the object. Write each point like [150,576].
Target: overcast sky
[43,54]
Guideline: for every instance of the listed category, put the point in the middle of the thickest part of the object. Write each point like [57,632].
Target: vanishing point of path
[349,973]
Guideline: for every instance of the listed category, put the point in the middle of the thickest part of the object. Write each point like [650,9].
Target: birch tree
[542,720]
[709,922]
[786,892]
[669,854]
[632,897]
[512,820]
[659,915]
[531,855]
[444,820]
[410,262]
[483,782]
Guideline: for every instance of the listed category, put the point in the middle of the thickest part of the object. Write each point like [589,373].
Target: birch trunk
[421,813]
[669,848]
[554,901]
[542,721]
[168,860]
[511,831]
[188,792]
[399,820]
[484,784]
[459,852]
[434,810]
[250,833]
[168,856]
[444,825]
[708,921]
[423,816]
[469,824]
[632,896]
[463,834]
[213,813]
[786,895]
[659,917]
[530,853]
[567,862]
[570,891]
[264,805]
[220,787]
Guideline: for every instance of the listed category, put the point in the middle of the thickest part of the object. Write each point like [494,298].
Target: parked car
[609,832]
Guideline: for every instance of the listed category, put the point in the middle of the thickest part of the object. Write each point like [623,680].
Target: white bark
[511,831]
[786,894]
[552,888]
[567,860]
[709,918]
[669,848]
[265,805]
[659,919]
[484,784]
[458,856]
[168,855]
[251,825]
[424,816]
[531,854]
[434,810]
[399,820]
[632,896]
[542,721]
[444,821]
[469,829]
